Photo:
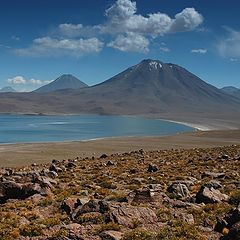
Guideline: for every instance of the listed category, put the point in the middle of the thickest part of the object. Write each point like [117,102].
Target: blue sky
[96,39]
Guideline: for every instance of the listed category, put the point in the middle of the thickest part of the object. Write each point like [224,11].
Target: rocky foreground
[172,194]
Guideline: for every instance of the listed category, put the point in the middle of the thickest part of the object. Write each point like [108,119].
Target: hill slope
[66,81]
[232,91]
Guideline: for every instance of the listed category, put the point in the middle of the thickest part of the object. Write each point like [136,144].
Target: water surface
[31,128]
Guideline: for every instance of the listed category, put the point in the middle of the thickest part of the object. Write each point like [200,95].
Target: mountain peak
[7,89]
[65,81]
[151,64]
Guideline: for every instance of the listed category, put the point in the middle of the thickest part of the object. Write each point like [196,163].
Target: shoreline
[21,155]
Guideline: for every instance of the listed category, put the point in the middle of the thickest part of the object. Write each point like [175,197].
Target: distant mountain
[151,88]
[66,81]
[154,87]
[7,89]
[232,91]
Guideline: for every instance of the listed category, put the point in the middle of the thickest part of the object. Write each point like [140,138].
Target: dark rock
[152,168]
[12,190]
[44,182]
[213,184]
[141,151]
[70,165]
[179,190]
[224,156]
[51,174]
[210,195]
[54,161]
[90,206]
[110,163]
[133,170]
[103,206]
[104,156]
[143,195]
[70,204]
[54,168]
[234,233]
[221,224]
[233,216]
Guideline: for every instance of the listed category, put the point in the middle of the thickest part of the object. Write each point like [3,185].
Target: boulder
[90,206]
[179,190]
[70,165]
[13,190]
[210,195]
[70,204]
[55,168]
[152,168]
[143,195]
[44,182]
[104,156]
[213,184]
[125,214]
[110,163]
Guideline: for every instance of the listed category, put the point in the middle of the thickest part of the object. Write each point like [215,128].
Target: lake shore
[16,155]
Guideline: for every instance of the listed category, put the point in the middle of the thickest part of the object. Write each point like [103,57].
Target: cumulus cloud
[121,26]
[122,17]
[229,46]
[70,30]
[199,51]
[17,80]
[130,43]
[57,47]
[20,80]
[186,20]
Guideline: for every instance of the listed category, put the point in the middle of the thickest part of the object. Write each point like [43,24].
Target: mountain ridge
[65,81]
[231,91]
[7,89]
[150,88]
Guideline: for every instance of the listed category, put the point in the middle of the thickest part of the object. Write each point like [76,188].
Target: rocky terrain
[165,194]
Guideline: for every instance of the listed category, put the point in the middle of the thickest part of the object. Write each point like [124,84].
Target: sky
[96,39]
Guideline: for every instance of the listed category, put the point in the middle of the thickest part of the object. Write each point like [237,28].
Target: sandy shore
[24,154]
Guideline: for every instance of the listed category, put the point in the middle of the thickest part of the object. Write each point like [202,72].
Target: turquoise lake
[31,128]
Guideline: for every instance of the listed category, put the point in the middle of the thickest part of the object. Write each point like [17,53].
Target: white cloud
[186,20]
[17,80]
[20,80]
[199,51]
[229,47]
[234,59]
[121,10]
[130,43]
[70,30]
[122,23]
[54,47]
[164,49]
[122,18]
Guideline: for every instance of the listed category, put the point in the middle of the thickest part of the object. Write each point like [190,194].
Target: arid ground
[25,154]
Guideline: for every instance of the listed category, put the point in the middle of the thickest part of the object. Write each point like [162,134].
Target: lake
[31,128]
